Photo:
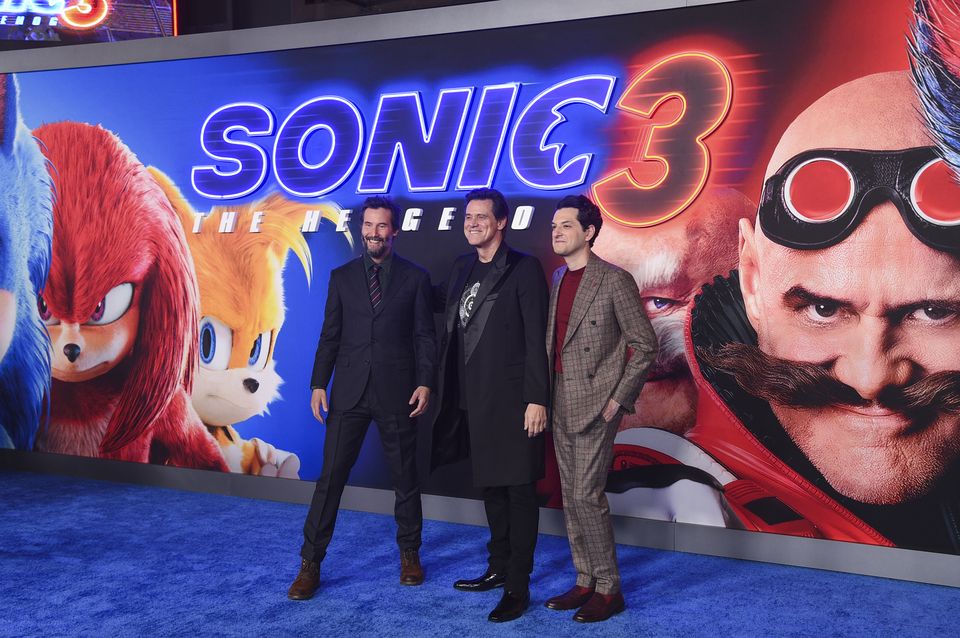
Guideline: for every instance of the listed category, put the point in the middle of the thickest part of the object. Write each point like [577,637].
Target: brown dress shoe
[600,607]
[305,586]
[411,573]
[576,597]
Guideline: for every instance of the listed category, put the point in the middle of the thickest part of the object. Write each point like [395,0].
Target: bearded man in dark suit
[378,333]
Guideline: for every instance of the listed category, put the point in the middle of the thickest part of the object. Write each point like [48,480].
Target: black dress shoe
[510,607]
[488,581]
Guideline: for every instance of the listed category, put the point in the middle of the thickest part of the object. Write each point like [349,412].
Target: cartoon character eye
[660,305]
[260,351]
[113,306]
[45,315]
[216,342]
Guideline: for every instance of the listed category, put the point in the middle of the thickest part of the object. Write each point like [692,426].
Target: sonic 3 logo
[676,103]
[74,14]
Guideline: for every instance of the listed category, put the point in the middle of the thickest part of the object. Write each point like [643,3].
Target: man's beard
[377,250]
[802,385]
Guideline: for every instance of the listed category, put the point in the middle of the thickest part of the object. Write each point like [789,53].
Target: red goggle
[819,197]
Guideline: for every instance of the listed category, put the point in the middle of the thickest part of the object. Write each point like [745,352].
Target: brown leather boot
[411,573]
[305,586]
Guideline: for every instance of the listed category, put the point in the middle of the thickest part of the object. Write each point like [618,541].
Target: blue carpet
[81,557]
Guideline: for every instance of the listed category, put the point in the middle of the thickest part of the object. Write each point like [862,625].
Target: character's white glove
[274,462]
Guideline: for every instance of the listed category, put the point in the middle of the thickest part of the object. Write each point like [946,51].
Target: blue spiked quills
[937,83]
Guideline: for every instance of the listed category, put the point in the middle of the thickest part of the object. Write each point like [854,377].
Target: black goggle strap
[887,176]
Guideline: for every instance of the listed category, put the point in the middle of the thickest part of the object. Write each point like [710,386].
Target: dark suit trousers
[513,516]
[345,433]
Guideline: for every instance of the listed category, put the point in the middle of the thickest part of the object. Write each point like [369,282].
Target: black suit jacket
[506,369]
[394,348]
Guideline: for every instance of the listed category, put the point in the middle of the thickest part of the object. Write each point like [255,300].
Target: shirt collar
[384,265]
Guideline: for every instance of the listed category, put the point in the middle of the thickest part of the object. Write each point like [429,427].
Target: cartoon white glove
[274,462]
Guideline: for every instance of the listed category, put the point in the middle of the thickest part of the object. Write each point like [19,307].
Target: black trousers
[513,516]
[345,433]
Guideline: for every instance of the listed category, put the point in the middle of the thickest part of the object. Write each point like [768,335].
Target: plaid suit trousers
[584,457]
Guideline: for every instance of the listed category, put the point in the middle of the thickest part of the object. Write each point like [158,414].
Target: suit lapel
[492,279]
[454,294]
[475,326]
[361,274]
[552,314]
[586,292]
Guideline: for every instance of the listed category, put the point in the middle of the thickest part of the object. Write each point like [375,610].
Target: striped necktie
[376,295]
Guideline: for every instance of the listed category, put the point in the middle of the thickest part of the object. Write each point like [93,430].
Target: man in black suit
[493,391]
[378,332]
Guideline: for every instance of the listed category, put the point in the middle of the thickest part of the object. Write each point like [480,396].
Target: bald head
[877,112]
[877,311]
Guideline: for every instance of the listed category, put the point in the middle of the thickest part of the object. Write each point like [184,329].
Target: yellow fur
[240,275]
[228,438]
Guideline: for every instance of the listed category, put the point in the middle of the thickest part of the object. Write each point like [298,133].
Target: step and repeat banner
[777,176]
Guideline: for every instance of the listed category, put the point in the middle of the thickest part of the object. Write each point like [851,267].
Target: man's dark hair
[382,201]
[587,213]
[500,208]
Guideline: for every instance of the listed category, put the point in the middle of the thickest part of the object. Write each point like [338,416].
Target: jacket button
[593,323]
[586,349]
[366,362]
[589,376]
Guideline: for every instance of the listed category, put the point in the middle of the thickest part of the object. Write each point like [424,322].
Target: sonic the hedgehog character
[240,274]
[121,307]
[25,227]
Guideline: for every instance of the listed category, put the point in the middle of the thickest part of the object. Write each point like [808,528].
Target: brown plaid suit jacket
[607,318]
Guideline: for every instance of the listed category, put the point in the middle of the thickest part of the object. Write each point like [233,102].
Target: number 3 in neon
[85,14]
[671,163]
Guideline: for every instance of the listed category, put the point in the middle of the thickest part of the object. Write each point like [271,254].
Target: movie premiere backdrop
[805,383]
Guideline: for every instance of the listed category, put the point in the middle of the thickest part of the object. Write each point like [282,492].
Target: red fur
[113,224]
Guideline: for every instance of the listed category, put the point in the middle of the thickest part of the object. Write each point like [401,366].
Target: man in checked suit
[378,332]
[595,316]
